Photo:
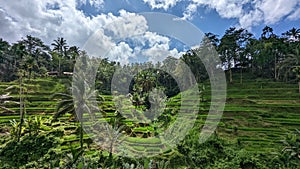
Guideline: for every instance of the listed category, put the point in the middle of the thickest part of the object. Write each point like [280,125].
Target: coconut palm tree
[291,64]
[81,98]
[292,35]
[65,105]
[267,32]
[60,46]
[70,104]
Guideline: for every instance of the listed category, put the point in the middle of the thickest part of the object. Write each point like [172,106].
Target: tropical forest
[47,102]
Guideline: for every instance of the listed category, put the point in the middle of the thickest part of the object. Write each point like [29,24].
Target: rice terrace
[134,94]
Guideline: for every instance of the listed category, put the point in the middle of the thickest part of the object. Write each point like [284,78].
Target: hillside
[257,117]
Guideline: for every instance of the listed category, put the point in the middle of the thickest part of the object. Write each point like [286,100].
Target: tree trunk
[230,75]
[110,150]
[241,76]
[81,134]
[275,70]
[59,67]
[21,110]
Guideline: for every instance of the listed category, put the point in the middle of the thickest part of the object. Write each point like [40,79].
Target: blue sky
[205,18]
[78,20]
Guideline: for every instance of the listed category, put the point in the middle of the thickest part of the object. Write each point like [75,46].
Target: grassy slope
[258,113]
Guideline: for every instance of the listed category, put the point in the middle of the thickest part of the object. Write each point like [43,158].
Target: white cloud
[190,10]
[260,11]
[121,52]
[127,25]
[148,46]
[251,18]
[49,19]
[164,4]
[275,10]
[248,12]
[160,50]
[98,4]
[225,8]
[33,17]
[154,38]
[295,15]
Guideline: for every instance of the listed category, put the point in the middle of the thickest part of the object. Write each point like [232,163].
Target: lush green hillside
[259,113]
[37,93]
[257,116]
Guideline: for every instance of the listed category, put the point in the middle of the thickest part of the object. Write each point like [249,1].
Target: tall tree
[291,64]
[271,52]
[267,32]
[212,39]
[60,46]
[37,56]
[231,48]
[292,35]
[5,62]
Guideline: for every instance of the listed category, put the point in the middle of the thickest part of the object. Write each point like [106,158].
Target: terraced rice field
[257,115]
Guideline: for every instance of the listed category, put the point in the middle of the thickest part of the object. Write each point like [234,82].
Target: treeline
[269,56]
[31,58]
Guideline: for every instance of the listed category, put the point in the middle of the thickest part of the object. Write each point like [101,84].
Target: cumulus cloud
[252,18]
[275,10]
[127,25]
[164,4]
[49,19]
[127,39]
[295,15]
[121,52]
[34,17]
[95,3]
[160,48]
[249,12]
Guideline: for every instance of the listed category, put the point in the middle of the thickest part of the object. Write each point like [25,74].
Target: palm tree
[292,35]
[86,99]
[64,106]
[267,32]
[60,46]
[146,80]
[291,64]
[82,100]
[70,55]
[297,71]
[22,103]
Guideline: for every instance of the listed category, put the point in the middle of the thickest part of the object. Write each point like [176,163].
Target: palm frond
[60,95]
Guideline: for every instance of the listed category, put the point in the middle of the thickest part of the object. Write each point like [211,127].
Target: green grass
[134,140]
[258,113]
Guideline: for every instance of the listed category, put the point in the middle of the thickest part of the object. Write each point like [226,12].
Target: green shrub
[30,148]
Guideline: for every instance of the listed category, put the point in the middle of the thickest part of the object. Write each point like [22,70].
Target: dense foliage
[39,139]
[270,56]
